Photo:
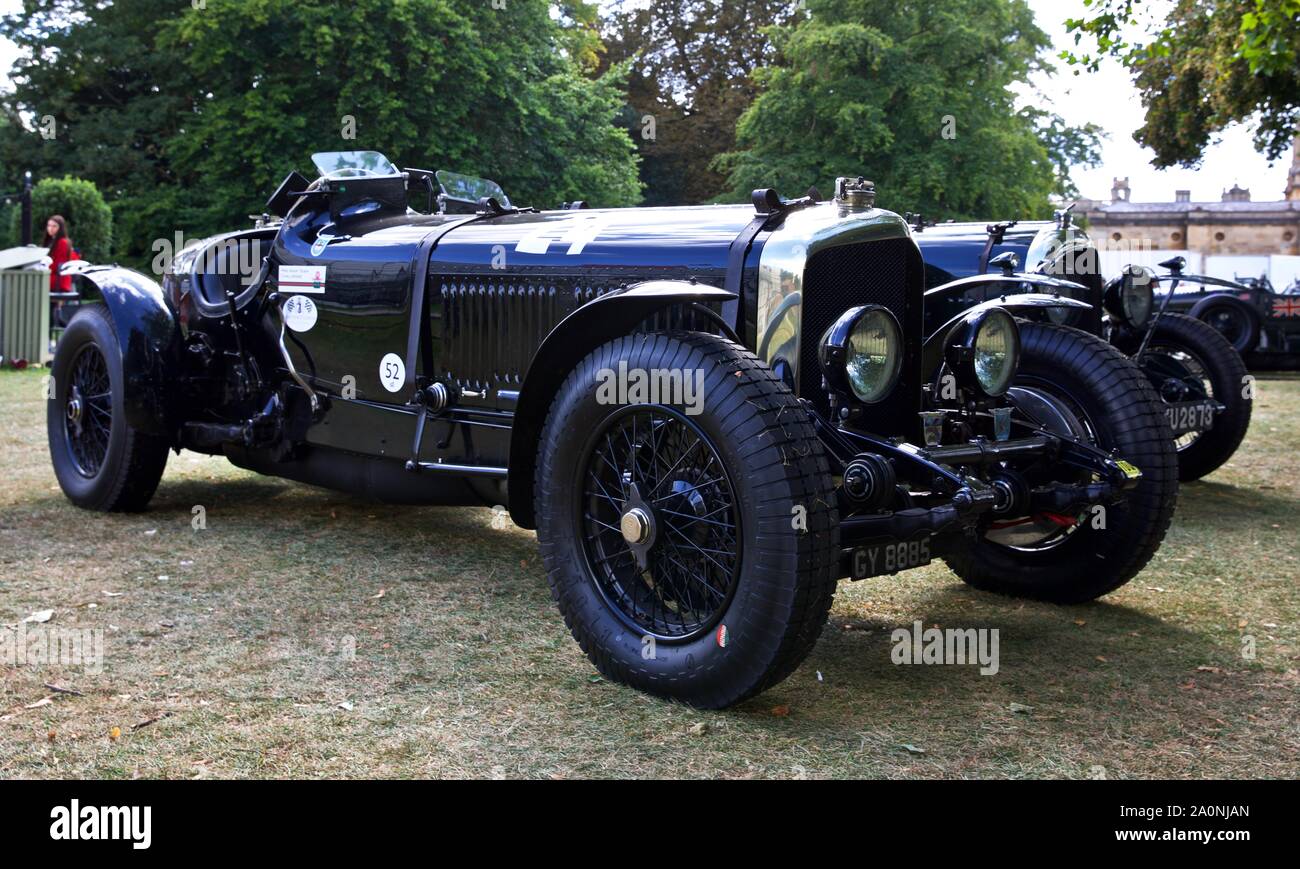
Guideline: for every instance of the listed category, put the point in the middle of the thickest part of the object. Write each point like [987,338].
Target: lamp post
[27,208]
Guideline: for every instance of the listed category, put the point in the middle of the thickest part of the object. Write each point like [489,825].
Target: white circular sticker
[392,372]
[299,313]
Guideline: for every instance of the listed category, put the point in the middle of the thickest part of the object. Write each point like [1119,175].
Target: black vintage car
[1198,374]
[1261,322]
[695,503]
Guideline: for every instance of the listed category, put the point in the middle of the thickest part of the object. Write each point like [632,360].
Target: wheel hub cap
[74,410]
[635,526]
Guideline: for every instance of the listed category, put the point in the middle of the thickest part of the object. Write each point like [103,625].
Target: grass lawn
[305,633]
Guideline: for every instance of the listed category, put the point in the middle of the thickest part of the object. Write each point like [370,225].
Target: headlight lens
[996,353]
[874,356]
[1137,300]
[1131,297]
[984,351]
[862,353]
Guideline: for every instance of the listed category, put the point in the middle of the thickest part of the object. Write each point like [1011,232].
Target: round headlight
[996,352]
[1131,296]
[862,353]
[984,351]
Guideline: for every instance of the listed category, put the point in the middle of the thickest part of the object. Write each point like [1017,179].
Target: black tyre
[1187,359]
[692,554]
[1235,323]
[101,462]
[1076,384]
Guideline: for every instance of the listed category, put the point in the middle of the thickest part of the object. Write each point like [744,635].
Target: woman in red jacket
[56,236]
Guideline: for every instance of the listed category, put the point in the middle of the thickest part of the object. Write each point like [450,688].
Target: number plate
[877,559]
[1190,416]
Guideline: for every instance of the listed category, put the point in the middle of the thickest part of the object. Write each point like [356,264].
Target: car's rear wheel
[1187,359]
[691,547]
[100,460]
[1235,323]
[1076,385]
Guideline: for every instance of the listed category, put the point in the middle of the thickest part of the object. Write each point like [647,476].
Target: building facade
[1235,225]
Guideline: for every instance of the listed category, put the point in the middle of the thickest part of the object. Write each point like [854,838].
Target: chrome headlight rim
[963,350]
[1130,298]
[835,352]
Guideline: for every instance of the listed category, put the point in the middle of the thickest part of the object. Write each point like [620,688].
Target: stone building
[1235,225]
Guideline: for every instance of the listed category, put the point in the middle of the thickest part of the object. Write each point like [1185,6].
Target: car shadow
[1049,655]
[1225,504]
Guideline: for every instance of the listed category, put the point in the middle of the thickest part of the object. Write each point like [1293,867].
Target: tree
[1209,64]
[432,83]
[188,117]
[914,95]
[101,101]
[90,220]
[692,64]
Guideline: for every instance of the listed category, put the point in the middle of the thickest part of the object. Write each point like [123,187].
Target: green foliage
[692,64]
[916,96]
[189,117]
[90,220]
[94,70]
[1209,64]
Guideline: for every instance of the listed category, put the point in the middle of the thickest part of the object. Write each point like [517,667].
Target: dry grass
[463,667]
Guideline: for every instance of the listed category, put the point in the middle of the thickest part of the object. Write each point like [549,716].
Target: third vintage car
[419,338]
[1259,320]
[1201,378]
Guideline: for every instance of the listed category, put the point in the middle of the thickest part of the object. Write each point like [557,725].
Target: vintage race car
[1199,375]
[1262,323]
[593,371]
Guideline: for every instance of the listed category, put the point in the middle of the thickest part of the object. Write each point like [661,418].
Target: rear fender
[147,339]
[610,316]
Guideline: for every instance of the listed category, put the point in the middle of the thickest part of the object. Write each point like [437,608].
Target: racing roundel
[392,372]
[299,313]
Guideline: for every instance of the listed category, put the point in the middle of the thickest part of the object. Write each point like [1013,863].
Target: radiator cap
[855,192]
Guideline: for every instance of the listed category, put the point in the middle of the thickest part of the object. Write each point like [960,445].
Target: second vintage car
[594,370]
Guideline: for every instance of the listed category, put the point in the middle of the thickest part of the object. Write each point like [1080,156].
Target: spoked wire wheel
[1184,376]
[88,410]
[1053,409]
[662,527]
[1230,322]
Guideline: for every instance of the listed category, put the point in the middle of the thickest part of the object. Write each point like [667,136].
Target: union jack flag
[1286,307]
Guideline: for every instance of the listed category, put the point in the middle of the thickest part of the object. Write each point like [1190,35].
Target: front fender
[1011,283]
[933,350]
[147,339]
[602,319]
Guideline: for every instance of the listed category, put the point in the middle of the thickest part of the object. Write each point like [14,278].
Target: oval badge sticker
[299,313]
[392,372]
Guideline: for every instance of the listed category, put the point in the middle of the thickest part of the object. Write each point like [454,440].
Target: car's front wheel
[1078,386]
[690,536]
[1187,360]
